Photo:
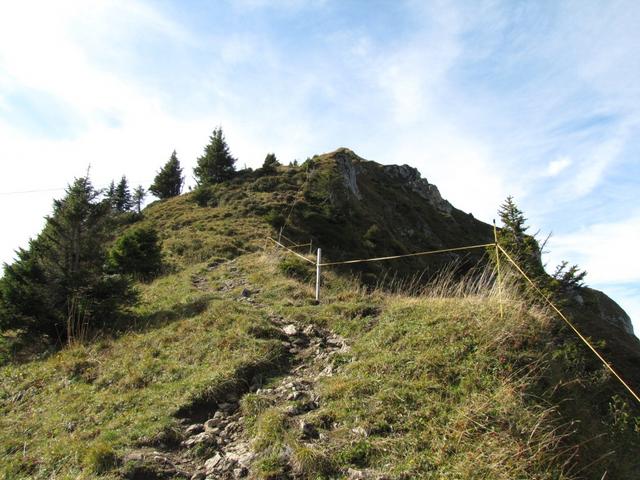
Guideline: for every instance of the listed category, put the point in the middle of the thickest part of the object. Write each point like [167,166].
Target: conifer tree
[270,163]
[526,251]
[138,197]
[169,180]
[58,286]
[216,164]
[122,198]
[513,238]
[110,195]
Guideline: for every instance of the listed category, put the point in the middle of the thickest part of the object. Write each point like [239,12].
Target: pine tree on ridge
[169,180]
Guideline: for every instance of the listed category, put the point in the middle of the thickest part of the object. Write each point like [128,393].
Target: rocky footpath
[222,438]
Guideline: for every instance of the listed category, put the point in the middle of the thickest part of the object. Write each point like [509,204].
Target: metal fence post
[318,261]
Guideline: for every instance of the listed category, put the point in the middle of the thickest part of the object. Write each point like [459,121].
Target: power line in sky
[32,191]
[20,192]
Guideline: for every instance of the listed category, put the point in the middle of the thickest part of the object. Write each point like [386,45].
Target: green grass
[433,387]
[440,386]
[63,415]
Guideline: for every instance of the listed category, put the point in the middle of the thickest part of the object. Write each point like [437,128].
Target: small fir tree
[110,195]
[526,251]
[138,197]
[270,164]
[137,252]
[513,238]
[169,180]
[216,164]
[122,201]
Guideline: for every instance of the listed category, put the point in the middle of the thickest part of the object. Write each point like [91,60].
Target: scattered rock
[295,395]
[194,429]
[290,330]
[211,464]
[204,437]
[133,457]
[212,424]
[360,431]
[308,430]
[246,293]
[199,476]
[227,407]
[355,474]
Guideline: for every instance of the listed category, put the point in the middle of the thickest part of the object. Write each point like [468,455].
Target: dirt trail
[221,437]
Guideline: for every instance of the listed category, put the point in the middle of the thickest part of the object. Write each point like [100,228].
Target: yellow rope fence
[456,249]
[571,325]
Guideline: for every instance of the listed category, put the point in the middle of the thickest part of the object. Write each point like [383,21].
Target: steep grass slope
[428,388]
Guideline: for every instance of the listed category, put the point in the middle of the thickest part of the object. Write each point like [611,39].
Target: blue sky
[540,100]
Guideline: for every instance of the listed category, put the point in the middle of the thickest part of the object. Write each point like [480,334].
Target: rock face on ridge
[359,208]
[608,310]
[411,177]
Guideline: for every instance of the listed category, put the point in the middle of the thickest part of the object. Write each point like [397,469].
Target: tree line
[74,277]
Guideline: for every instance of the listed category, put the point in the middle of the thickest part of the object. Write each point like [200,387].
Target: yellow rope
[286,238]
[295,253]
[431,252]
[587,343]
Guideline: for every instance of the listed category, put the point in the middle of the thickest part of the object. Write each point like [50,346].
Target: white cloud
[557,166]
[607,251]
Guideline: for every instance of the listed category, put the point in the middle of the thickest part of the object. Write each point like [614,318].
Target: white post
[310,246]
[318,261]
[280,235]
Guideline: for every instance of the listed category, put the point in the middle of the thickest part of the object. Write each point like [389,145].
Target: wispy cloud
[557,166]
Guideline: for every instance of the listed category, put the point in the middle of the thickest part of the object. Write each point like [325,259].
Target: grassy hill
[227,368]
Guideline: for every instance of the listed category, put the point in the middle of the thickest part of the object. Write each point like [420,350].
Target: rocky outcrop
[608,310]
[348,169]
[411,178]
[350,166]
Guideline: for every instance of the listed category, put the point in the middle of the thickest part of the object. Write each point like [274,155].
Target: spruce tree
[122,198]
[526,251]
[110,195]
[513,238]
[216,164]
[58,286]
[270,164]
[169,180]
[138,197]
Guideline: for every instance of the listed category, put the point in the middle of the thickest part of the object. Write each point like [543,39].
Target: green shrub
[296,268]
[100,458]
[265,184]
[204,196]
[137,252]
[275,219]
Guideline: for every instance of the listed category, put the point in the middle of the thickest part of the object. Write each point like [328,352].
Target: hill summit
[228,368]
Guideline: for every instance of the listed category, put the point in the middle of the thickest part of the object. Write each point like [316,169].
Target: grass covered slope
[78,409]
[431,387]
[352,207]
[441,387]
